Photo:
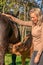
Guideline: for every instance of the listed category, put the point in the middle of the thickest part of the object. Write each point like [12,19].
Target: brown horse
[8,34]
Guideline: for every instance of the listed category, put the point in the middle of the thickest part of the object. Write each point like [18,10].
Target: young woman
[37,34]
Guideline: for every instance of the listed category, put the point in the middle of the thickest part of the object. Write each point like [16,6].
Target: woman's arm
[18,21]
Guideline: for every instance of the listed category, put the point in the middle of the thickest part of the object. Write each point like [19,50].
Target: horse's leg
[1,57]
[2,53]
[23,60]
[3,42]
[13,59]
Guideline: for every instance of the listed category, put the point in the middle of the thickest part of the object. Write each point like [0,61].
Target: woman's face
[34,18]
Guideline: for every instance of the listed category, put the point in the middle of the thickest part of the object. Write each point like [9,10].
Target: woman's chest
[36,30]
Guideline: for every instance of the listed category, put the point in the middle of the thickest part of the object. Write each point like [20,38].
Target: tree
[2,5]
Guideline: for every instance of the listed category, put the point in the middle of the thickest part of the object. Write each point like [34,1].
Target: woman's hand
[9,16]
[36,60]
[6,14]
[38,55]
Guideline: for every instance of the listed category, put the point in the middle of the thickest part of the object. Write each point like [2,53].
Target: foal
[24,49]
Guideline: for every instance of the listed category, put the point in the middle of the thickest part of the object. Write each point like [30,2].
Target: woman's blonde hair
[38,13]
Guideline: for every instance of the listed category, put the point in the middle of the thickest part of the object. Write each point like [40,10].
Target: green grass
[8,60]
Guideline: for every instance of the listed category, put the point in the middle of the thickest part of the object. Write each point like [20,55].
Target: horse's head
[15,30]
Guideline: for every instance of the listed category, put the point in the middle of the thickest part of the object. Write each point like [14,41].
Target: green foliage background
[8,60]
